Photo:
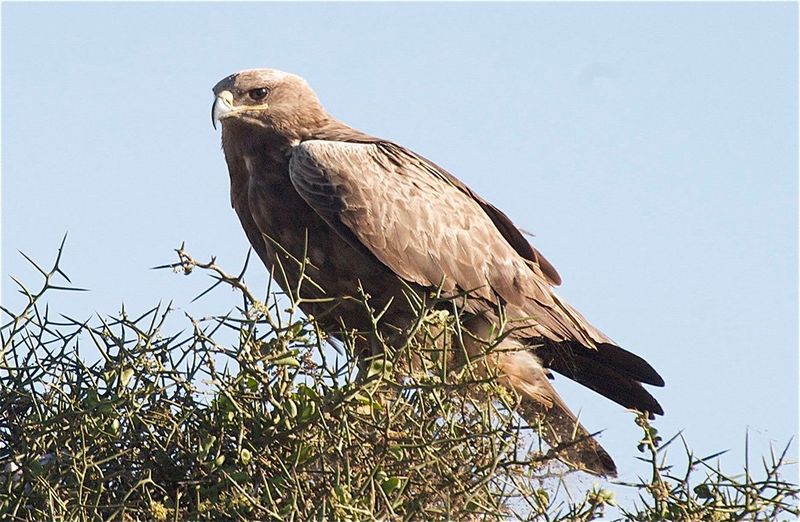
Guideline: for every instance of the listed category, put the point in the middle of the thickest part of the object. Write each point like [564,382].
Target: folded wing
[422,226]
[430,229]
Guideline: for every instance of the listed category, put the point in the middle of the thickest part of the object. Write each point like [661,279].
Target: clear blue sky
[652,148]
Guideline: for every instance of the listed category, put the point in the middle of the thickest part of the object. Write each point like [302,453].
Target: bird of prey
[368,213]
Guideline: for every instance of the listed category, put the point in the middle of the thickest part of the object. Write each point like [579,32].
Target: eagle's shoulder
[321,151]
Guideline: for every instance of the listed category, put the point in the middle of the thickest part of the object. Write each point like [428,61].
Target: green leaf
[287,361]
[391,484]
[245,456]
[205,445]
[125,376]
[297,328]
[379,367]
[291,408]
[241,477]
[304,453]
[397,452]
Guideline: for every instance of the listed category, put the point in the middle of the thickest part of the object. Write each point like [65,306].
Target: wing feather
[502,222]
[426,228]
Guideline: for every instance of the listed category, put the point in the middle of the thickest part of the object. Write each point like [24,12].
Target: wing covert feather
[419,226]
[425,229]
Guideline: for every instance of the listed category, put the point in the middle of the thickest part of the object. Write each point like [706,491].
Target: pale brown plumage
[368,212]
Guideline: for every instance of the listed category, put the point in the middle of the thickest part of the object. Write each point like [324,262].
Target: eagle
[321,201]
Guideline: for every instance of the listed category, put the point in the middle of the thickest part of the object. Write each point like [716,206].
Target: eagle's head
[266,99]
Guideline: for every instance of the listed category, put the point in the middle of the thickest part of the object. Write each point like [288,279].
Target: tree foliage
[252,415]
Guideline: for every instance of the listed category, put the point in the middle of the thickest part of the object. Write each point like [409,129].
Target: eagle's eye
[258,94]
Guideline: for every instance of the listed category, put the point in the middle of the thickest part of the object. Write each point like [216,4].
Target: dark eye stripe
[258,94]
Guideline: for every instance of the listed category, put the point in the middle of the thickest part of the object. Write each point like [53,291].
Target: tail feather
[570,441]
[543,407]
[609,370]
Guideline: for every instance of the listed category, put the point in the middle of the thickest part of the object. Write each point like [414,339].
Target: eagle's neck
[254,142]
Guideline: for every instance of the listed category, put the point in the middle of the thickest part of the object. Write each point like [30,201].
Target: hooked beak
[222,108]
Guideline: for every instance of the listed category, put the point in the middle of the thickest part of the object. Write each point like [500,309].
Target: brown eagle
[368,213]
